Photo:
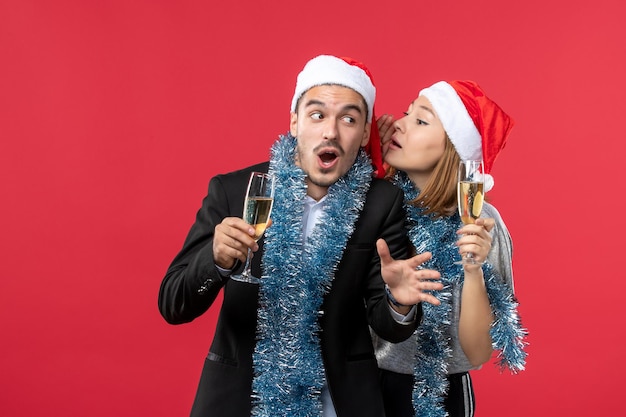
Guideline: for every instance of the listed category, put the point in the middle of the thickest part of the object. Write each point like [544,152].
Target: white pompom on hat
[477,127]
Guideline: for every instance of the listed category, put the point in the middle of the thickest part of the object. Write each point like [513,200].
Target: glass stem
[469,258]
[246,269]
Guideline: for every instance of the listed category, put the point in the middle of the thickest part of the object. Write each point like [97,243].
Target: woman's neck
[420,179]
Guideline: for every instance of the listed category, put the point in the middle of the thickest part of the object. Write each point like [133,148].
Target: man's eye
[317,116]
[349,119]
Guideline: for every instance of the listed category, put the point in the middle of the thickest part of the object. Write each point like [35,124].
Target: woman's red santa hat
[346,72]
[477,127]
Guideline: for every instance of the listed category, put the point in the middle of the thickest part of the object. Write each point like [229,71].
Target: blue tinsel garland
[288,366]
[438,235]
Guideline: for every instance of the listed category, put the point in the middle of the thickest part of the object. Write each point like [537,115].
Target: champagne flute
[470,197]
[256,212]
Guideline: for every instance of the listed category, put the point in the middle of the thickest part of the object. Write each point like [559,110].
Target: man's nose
[330,129]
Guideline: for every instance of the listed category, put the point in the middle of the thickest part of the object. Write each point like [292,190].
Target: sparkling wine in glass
[470,196]
[256,212]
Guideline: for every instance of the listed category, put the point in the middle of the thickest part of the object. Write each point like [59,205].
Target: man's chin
[324,179]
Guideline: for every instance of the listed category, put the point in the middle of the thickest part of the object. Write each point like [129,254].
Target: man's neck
[316,192]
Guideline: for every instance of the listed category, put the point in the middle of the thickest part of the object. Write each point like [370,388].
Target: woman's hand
[475,239]
[385,129]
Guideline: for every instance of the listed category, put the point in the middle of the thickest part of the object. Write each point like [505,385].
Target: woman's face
[418,141]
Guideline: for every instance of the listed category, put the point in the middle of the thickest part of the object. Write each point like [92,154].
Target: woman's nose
[398,124]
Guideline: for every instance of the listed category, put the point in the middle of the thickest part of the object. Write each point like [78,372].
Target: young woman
[428,375]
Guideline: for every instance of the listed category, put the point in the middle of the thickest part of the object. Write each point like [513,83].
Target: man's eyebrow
[353,107]
[314,102]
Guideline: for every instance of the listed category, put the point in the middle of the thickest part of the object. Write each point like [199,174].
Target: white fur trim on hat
[455,119]
[327,69]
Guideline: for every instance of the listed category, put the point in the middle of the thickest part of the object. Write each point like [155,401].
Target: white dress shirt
[312,212]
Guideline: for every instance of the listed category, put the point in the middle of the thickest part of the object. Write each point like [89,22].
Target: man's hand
[231,241]
[407,283]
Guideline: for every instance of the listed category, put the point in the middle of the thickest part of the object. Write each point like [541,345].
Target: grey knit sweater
[399,357]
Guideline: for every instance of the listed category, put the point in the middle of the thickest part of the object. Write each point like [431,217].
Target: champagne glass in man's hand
[256,212]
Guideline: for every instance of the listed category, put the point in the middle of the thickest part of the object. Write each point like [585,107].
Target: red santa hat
[477,127]
[346,72]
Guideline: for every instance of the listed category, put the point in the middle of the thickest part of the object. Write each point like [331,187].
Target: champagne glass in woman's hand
[470,198]
[256,212]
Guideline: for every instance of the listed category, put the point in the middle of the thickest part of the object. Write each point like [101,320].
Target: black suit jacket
[355,301]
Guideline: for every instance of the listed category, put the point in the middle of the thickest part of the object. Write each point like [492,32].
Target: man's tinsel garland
[438,235]
[288,367]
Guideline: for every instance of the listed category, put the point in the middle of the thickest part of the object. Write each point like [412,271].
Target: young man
[298,343]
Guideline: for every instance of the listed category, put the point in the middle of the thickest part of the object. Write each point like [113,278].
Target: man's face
[330,125]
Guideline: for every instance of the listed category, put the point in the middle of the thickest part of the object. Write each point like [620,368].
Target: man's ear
[293,124]
[366,134]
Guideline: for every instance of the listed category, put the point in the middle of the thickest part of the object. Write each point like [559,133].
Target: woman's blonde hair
[439,194]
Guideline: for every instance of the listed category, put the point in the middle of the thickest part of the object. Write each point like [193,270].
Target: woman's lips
[394,144]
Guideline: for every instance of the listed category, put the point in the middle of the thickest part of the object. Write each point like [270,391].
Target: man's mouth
[327,158]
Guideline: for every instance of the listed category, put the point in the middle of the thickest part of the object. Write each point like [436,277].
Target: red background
[115,114]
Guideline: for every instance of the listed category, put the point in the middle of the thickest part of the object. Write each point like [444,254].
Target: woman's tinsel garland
[438,235]
[288,367]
